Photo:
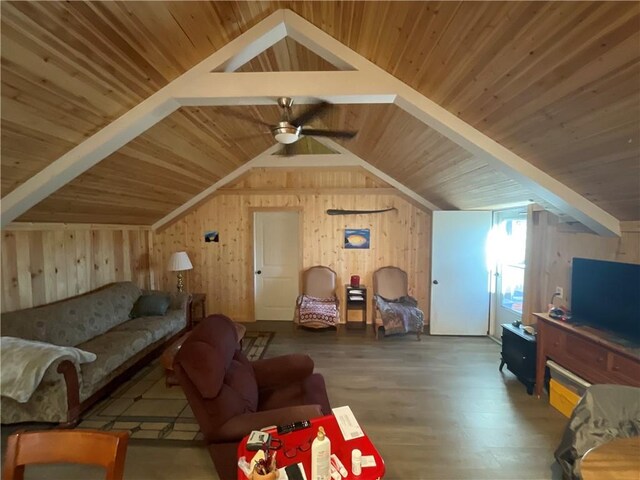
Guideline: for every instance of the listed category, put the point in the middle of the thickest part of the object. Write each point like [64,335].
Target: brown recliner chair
[230,396]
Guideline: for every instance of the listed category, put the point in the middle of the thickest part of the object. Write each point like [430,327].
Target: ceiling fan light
[285,133]
[286,138]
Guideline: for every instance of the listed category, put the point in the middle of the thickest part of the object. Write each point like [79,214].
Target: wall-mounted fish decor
[356,212]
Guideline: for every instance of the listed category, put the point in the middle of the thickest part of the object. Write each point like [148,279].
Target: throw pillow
[151,305]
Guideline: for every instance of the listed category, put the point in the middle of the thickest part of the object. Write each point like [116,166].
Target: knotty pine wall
[45,263]
[551,247]
[224,270]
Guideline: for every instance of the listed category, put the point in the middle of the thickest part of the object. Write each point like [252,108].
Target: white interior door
[459,273]
[276,264]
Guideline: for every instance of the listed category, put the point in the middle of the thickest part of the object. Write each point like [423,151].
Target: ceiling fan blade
[312,112]
[247,118]
[328,133]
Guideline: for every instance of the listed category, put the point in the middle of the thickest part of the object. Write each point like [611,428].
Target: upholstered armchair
[391,293]
[318,306]
[231,396]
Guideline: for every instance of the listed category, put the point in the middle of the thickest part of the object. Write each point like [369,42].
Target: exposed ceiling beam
[268,159]
[263,88]
[379,173]
[369,84]
[468,137]
[137,120]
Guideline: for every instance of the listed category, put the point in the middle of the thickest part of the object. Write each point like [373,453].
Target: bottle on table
[321,457]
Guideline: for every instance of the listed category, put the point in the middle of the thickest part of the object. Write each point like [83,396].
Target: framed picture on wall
[211,236]
[356,238]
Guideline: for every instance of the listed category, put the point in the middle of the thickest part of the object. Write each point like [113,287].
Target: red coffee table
[341,447]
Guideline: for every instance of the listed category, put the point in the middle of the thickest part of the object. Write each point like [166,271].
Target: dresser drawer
[555,342]
[625,369]
[588,353]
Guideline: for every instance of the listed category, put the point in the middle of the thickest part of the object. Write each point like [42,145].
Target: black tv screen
[606,295]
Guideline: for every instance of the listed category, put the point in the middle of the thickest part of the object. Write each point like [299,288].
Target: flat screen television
[606,295]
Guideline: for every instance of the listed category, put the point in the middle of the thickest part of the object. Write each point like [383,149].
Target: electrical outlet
[560,292]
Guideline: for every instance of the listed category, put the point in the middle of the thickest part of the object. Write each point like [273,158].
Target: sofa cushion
[157,327]
[112,350]
[75,320]
[154,304]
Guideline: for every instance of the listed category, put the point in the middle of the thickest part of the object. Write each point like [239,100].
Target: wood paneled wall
[43,264]
[224,270]
[551,247]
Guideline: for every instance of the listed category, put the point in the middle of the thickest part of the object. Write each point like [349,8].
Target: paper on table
[368,461]
[347,423]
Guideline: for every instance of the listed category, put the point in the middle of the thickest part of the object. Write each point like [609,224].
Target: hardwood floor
[435,409]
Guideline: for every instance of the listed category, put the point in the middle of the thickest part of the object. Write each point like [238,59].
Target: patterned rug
[152,411]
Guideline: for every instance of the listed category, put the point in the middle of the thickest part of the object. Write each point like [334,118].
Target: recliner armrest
[285,369]
[237,427]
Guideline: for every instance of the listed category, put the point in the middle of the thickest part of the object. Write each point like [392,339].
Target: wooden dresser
[584,351]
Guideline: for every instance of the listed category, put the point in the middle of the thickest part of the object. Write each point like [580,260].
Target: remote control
[292,427]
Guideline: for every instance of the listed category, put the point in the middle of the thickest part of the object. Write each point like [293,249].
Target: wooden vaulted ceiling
[557,83]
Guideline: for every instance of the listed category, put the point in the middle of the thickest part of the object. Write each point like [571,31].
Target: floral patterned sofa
[96,322]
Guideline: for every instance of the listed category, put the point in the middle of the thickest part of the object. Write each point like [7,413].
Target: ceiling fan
[290,129]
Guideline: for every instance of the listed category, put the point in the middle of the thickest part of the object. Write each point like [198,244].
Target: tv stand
[585,351]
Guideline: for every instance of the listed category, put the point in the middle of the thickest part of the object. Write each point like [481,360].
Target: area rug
[150,410]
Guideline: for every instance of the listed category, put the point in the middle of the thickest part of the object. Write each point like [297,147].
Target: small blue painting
[356,238]
[211,236]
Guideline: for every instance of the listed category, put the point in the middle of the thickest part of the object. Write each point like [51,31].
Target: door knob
[435,282]
[258,272]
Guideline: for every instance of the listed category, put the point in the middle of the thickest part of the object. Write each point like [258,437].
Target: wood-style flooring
[435,409]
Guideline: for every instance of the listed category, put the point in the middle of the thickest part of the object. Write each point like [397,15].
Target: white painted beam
[306,160]
[134,122]
[217,185]
[256,88]
[457,130]
[296,29]
[369,84]
[85,155]
[352,157]
[272,32]
[267,159]
[513,166]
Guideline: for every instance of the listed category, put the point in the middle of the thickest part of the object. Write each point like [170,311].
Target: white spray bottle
[321,457]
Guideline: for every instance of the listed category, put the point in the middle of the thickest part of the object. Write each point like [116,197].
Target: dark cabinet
[519,354]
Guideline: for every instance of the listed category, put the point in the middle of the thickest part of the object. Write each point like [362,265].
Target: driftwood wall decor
[355,212]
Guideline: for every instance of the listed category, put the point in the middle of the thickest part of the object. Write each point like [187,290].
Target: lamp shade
[179,261]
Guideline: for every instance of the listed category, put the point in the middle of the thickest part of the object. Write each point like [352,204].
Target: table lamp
[179,262]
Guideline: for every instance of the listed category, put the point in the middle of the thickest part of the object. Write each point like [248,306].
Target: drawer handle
[616,368]
[600,359]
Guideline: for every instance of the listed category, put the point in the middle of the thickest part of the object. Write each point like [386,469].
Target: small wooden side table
[616,460]
[356,301]
[198,302]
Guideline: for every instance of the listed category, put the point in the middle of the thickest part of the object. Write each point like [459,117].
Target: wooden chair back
[90,447]
[390,283]
[319,282]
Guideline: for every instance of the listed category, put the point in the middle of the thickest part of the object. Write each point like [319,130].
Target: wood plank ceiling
[558,83]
